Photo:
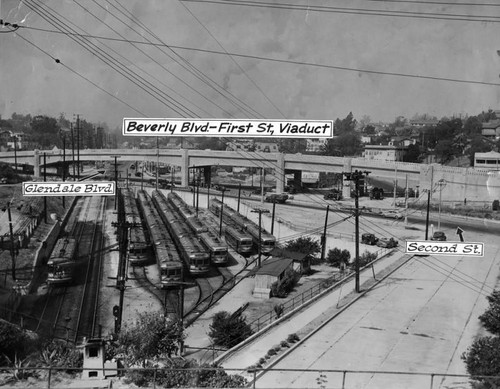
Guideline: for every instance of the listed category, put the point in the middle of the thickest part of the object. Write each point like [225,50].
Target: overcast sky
[380,65]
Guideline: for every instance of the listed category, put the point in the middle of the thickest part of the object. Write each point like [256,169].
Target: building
[272,270]
[424,123]
[384,152]
[489,160]
[491,130]
[315,145]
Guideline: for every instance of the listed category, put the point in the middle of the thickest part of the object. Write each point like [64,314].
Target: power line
[352,11]
[288,61]
[195,71]
[232,59]
[109,60]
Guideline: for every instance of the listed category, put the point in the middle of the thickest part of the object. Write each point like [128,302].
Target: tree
[472,126]
[491,317]
[44,130]
[346,144]
[477,145]
[152,336]
[227,330]
[336,257]
[444,150]
[412,154]
[482,358]
[344,126]
[305,245]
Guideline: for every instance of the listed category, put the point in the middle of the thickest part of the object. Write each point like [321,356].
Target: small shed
[271,270]
[94,364]
[301,261]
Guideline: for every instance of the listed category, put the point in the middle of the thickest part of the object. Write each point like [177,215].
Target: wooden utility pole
[356,176]
[323,237]
[260,211]
[221,210]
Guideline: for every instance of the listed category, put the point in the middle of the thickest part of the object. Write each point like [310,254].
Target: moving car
[276,198]
[392,214]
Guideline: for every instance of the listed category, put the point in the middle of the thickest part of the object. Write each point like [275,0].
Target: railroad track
[87,324]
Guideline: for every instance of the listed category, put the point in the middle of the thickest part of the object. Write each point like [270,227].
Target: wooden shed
[271,270]
[301,261]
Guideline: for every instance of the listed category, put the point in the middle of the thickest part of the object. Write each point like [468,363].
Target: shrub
[227,330]
[336,256]
[289,281]
[366,258]
[491,317]
[482,358]
[292,338]
[284,343]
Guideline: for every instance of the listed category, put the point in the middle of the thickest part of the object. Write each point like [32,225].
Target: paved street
[421,319]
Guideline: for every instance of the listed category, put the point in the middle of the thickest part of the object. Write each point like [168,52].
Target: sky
[307,63]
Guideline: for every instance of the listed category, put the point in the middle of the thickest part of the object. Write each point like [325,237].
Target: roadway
[418,320]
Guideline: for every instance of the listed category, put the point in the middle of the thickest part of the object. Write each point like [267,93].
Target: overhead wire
[58,61]
[277,60]
[238,103]
[109,60]
[352,11]
[232,59]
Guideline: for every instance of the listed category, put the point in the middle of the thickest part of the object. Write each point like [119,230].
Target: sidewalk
[306,319]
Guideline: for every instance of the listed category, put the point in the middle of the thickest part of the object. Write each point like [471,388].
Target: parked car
[333,195]
[387,243]
[276,198]
[369,238]
[392,214]
[438,235]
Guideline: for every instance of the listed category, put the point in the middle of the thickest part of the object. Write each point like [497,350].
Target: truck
[276,198]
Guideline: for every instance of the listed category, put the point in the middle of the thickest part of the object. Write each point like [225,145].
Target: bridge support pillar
[207,178]
[36,163]
[346,185]
[184,168]
[280,173]
[297,179]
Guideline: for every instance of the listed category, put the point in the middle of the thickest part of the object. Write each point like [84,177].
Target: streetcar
[62,262]
[139,248]
[167,257]
[216,247]
[239,239]
[259,235]
[192,251]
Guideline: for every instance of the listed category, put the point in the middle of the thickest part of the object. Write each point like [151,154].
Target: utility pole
[64,164]
[427,215]
[441,183]
[221,210]
[239,198]
[15,152]
[78,144]
[157,160]
[73,150]
[44,180]
[356,176]
[272,218]
[323,237]
[12,249]
[260,211]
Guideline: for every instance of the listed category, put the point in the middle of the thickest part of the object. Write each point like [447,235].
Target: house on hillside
[384,152]
[491,130]
[489,160]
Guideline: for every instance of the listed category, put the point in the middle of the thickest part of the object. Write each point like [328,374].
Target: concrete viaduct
[454,183]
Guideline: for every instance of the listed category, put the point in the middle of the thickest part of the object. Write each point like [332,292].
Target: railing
[299,300]
[157,378]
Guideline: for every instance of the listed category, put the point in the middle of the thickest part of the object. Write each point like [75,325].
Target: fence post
[48,377]
[432,380]
[154,378]
[343,378]
[254,378]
